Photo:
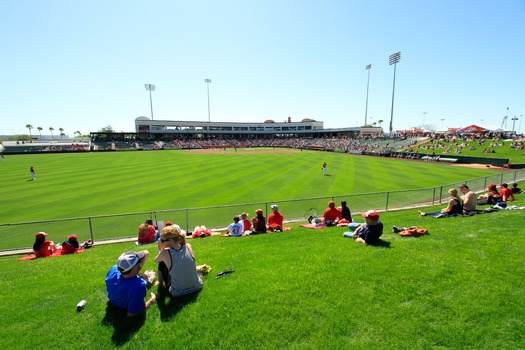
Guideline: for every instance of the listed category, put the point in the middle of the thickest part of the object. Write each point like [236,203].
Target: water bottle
[81,305]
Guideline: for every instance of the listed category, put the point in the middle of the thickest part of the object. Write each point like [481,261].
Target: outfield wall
[17,238]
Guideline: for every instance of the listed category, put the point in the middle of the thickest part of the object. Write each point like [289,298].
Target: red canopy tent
[473,129]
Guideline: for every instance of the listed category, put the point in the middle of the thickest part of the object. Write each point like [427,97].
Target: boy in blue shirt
[125,289]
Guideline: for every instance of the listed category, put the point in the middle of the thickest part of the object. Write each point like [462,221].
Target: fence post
[91,230]
[187,221]
[440,193]
[387,197]
[433,196]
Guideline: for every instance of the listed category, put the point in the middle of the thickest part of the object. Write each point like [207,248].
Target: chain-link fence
[20,236]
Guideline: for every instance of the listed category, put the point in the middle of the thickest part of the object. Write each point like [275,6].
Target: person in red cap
[492,196]
[42,247]
[332,215]
[259,222]
[369,232]
[70,246]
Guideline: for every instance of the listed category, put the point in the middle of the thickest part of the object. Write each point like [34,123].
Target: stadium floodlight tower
[150,88]
[208,81]
[514,123]
[367,84]
[393,60]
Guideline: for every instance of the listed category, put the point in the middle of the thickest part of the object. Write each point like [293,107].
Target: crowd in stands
[49,147]
[357,145]
[341,144]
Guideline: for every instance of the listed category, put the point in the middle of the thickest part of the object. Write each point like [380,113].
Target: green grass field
[460,287]
[457,288]
[87,184]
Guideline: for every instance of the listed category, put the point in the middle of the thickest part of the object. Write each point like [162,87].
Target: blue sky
[83,65]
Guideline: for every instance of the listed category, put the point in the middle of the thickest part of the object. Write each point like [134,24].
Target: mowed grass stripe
[85,184]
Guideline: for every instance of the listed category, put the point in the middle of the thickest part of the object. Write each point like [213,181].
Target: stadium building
[306,128]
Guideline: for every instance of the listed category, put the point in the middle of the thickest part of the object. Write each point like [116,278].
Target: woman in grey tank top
[177,269]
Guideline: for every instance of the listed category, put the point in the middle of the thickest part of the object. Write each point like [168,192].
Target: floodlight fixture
[393,60]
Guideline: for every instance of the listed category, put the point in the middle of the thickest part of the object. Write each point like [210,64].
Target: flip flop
[223,273]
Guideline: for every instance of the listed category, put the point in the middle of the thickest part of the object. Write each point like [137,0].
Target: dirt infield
[479,166]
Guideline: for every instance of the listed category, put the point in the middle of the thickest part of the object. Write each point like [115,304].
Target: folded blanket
[32,256]
[314,226]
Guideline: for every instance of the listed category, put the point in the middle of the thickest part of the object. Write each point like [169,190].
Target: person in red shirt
[70,246]
[332,215]
[506,193]
[147,232]
[247,225]
[275,219]
[42,247]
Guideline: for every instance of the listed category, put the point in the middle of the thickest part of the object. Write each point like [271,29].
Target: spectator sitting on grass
[125,289]
[42,247]
[259,222]
[492,196]
[147,232]
[70,246]
[235,229]
[246,224]
[331,215]
[275,219]
[369,232]
[454,207]
[345,211]
[469,199]
[506,193]
[177,269]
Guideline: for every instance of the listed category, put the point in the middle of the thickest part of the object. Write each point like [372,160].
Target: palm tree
[40,131]
[78,133]
[380,121]
[51,129]
[61,132]
[29,127]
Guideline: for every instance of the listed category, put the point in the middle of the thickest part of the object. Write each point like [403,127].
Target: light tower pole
[367,84]
[393,60]
[507,117]
[514,123]
[208,81]
[150,88]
